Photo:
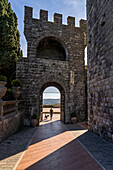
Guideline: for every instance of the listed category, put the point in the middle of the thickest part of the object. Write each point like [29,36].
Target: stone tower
[55,57]
[100,66]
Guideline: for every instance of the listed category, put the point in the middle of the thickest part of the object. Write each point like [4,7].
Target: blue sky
[74,8]
[51,93]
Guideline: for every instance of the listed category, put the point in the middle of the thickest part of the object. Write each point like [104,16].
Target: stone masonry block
[43,15]
[28,12]
[58,18]
[71,21]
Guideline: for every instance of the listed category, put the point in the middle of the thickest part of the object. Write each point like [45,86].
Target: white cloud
[76,8]
[51,93]
[51,89]
[70,2]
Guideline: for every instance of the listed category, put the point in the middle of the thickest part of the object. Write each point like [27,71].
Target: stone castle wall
[100,66]
[11,125]
[55,53]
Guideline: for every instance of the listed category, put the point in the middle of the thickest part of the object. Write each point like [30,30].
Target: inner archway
[52,96]
[51,48]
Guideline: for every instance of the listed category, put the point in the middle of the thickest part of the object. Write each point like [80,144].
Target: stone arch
[62,99]
[51,48]
[55,37]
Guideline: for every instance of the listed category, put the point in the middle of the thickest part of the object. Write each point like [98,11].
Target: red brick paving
[54,147]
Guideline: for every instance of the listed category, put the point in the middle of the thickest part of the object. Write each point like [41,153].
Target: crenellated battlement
[83,25]
[57,17]
[43,15]
[71,21]
[28,13]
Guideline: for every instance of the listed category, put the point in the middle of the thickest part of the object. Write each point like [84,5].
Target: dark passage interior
[50,48]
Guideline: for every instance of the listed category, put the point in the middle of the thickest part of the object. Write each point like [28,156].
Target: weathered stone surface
[55,55]
[11,125]
[12,149]
[100,66]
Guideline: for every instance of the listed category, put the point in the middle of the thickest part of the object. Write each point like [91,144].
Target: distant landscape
[50,101]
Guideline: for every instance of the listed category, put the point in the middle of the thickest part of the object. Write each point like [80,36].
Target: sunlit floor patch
[55,147]
[56,117]
[40,150]
[78,133]
[10,162]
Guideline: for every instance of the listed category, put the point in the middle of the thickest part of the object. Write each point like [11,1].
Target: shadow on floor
[66,156]
[70,156]
[16,143]
[101,149]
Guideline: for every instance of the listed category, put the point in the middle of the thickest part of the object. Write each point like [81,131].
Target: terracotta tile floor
[54,147]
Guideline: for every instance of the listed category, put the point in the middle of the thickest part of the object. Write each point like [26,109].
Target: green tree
[9,39]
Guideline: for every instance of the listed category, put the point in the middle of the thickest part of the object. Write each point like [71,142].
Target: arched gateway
[62,98]
[55,57]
